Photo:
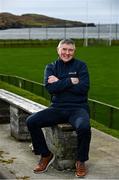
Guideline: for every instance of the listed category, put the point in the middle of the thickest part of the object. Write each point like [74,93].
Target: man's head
[66,49]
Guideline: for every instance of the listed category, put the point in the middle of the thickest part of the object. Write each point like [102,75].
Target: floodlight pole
[110,27]
[86,29]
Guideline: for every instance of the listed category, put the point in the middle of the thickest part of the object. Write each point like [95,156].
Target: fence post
[65,31]
[111,117]
[116,29]
[86,36]
[93,110]
[98,31]
[46,28]
[29,33]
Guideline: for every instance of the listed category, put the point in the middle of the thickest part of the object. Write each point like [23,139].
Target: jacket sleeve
[83,86]
[56,87]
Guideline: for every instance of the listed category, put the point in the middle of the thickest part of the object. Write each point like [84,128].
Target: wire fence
[100,112]
[107,32]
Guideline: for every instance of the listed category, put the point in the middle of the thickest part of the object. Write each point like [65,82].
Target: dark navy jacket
[65,94]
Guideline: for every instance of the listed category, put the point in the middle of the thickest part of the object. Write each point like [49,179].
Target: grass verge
[24,93]
[103,128]
[41,100]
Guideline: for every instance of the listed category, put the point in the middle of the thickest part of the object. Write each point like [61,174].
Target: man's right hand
[52,79]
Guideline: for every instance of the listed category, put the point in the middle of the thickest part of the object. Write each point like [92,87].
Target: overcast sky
[96,11]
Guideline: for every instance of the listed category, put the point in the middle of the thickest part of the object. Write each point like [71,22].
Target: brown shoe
[80,169]
[44,163]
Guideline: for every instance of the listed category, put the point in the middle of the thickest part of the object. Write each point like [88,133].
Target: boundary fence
[101,112]
[97,31]
[106,33]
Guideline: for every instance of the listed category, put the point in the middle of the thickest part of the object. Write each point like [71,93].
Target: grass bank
[43,101]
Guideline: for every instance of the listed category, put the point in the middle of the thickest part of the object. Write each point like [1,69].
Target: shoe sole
[80,176]
[83,176]
[51,161]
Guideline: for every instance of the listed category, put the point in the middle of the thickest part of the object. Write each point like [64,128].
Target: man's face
[66,52]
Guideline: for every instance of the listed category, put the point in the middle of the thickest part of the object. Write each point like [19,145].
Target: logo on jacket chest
[68,74]
[72,73]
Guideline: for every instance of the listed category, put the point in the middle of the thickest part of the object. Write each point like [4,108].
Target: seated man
[67,80]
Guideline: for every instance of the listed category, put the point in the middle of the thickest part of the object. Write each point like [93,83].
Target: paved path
[17,161]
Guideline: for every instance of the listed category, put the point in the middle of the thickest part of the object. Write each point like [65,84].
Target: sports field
[103,65]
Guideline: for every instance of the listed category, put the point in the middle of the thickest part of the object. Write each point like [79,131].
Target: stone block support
[18,123]
[61,140]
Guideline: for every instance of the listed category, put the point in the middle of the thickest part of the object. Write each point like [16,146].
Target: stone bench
[61,139]
[15,109]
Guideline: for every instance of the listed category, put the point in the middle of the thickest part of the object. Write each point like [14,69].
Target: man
[67,80]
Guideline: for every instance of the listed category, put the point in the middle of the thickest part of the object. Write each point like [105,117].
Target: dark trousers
[78,118]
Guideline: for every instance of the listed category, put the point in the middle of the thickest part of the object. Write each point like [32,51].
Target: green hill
[8,20]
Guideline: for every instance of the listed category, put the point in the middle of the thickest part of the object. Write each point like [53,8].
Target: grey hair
[66,41]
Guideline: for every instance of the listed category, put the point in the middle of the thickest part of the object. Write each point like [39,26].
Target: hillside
[8,20]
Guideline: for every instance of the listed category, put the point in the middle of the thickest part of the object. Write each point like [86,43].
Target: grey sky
[97,11]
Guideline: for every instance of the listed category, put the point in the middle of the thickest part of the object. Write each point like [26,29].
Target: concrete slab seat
[61,139]
[17,109]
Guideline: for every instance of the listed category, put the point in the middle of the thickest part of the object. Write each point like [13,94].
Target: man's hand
[52,79]
[74,80]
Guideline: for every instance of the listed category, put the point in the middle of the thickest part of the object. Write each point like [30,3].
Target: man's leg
[81,122]
[35,122]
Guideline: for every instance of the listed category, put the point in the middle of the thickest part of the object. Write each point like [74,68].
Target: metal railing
[99,111]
